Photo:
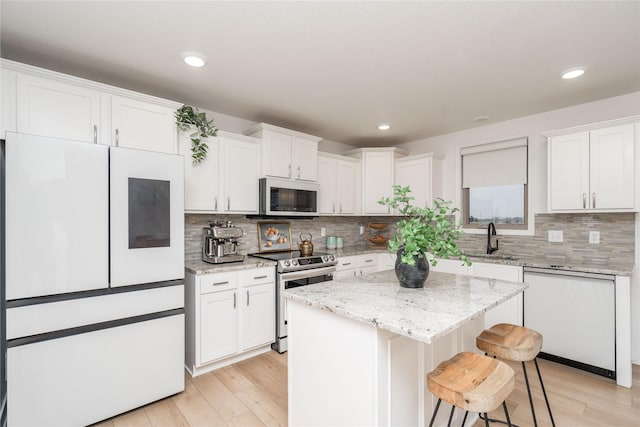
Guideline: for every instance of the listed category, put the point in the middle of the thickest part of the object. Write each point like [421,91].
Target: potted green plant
[189,118]
[421,235]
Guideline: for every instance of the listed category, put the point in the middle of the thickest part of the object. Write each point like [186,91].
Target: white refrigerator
[94,255]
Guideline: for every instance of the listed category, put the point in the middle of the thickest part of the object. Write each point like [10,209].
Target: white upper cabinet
[378,177]
[142,125]
[241,164]
[423,174]
[337,180]
[593,169]
[227,179]
[286,153]
[202,182]
[56,109]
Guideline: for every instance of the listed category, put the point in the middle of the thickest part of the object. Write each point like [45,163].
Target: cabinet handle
[247,298]
[95,134]
[215,207]
[228,203]
[354,273]
[289,170]
[346,263]
[234,300]
[388,209]
[220,283]
[259,277]
[340,207]
[298,172]
[368,260]
[584,200]
[334,208]
[117,137]
[593,200]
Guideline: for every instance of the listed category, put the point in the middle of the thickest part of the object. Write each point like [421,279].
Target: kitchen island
[360,348]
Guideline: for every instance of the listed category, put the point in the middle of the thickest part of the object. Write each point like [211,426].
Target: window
[494,184]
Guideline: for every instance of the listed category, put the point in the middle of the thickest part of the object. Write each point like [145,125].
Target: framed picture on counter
[274,236]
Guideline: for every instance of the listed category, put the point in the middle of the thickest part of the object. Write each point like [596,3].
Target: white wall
[532,127]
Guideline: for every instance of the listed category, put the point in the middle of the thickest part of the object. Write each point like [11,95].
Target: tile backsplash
[617,235]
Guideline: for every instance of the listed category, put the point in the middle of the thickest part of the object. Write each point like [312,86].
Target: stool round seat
[510,342]
[472,382]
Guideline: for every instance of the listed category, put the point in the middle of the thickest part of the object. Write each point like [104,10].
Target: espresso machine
[220,243]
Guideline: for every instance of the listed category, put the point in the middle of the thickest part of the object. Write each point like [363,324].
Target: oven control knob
[287,263]
[332,258]
[294,262]
[325,258]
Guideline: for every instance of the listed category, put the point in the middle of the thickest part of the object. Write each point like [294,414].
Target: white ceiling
[337,69]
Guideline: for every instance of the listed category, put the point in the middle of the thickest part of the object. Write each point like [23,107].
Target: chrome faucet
[491,231]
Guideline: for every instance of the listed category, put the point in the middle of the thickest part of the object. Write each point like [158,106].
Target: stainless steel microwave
[288,198]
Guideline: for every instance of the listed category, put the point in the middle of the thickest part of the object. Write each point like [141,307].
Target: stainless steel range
[293,271]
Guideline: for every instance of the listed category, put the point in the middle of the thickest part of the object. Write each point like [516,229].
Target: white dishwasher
[575,313]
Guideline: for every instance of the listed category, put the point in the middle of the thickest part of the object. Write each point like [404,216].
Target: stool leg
[506,412]
[526,380]
[544,392]
[465,418]
[435,412]
[453,408]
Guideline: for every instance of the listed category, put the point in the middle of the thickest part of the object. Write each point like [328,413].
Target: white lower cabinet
[230,317]
[346,267]
[367,263]
[453,266]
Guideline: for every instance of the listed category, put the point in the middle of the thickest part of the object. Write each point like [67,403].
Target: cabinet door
[141,125]
[346,187]
[277,158]
[327,179]
[417,175]
[241,165]
[305,159]
[258,315]
[201,181]
[453,266]
[345,274]
[218,325]
[568,169]
[612,158]
[377,181]
[55,109]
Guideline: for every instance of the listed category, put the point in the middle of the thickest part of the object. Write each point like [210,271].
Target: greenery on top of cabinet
[188,118]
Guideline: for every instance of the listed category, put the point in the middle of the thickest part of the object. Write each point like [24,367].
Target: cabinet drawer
[347,262]
[367,260]
[218,282]
[258,276]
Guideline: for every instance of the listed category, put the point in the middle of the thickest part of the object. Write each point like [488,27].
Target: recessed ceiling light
[572,73]
[194,59]
[383,126]
[481,119]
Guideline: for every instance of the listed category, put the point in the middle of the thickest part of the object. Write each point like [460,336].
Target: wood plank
[265,408]
[269,375]
[233,379]
[196,409]
[136,418]
[225,403]
[165,413]
[248,419]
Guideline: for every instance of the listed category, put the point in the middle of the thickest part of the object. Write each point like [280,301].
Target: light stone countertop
[197,266]
[445,303]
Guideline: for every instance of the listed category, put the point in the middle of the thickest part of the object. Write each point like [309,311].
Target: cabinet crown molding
[336,156]
[265,126]
[359,151]
[592,126]
[419,156]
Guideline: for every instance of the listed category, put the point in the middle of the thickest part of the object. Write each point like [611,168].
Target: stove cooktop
[277,256]
[293,261]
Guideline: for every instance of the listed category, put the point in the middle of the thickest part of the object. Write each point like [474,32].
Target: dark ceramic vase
[412,276]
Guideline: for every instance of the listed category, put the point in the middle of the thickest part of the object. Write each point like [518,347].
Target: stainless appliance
[282,197]
[294,270]
[220,243]
[95,327]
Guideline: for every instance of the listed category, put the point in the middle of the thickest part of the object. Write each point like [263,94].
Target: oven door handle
[311,272]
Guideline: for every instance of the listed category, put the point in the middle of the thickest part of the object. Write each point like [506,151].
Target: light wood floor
[254,393]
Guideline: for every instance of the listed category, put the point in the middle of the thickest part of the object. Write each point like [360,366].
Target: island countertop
[445,303]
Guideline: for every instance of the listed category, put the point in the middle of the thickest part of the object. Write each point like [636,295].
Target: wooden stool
[472,382]
[519,344]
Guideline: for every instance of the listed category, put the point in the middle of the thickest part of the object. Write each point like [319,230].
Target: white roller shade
[498,163]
